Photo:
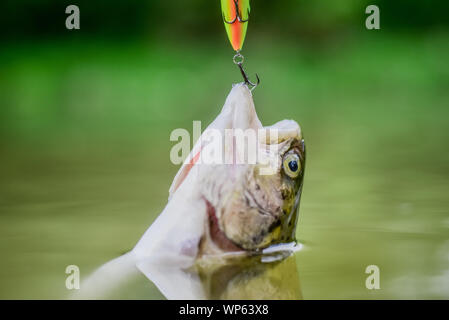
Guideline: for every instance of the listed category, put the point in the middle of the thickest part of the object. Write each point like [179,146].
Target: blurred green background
[85,119]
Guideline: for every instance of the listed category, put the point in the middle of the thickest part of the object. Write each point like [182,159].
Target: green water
[85,158]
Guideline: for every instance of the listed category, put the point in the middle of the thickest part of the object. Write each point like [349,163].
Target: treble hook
[238,60]
[238,15]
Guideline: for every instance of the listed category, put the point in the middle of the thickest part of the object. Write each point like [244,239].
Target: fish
[220,208]
[221,204]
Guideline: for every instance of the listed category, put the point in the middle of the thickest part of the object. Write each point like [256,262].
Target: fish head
[261,207]
[253,192]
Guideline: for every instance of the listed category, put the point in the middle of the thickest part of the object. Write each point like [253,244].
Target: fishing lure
[235,17]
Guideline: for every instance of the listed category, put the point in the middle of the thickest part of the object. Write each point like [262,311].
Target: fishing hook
[238,15]
[238,60]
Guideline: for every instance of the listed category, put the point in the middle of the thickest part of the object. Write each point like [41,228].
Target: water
[82,204]
[84,149]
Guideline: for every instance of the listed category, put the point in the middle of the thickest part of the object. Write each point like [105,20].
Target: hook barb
[245,77]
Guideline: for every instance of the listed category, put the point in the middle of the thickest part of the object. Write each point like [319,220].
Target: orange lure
[235,17]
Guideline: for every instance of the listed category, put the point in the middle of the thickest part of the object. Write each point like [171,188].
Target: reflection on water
[252,278]
[270,275]
[266,276]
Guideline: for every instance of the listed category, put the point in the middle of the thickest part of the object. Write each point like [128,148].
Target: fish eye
[292,165]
